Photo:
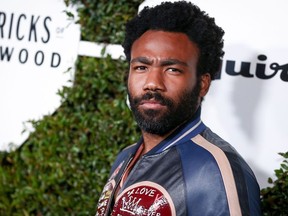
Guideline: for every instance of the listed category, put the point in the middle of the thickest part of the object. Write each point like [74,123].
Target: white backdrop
[247,111]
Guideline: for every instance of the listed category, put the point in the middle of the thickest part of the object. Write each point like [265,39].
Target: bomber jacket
[192,172]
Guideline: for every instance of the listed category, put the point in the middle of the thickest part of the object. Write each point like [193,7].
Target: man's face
[162,85]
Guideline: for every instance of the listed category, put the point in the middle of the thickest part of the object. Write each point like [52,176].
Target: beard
[158,122]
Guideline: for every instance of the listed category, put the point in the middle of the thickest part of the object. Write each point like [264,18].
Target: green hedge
[62,167]
[274,199]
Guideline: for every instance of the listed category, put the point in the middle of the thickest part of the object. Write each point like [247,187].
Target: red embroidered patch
[144,198]
[105,197]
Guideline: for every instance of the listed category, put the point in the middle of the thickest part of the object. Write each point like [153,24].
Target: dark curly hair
[183,17]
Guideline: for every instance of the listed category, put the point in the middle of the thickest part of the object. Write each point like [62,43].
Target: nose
[154,81]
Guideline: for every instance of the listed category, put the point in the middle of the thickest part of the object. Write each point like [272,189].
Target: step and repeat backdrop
[247,105]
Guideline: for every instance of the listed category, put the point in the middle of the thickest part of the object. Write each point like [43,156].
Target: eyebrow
[164,62]
[143,60]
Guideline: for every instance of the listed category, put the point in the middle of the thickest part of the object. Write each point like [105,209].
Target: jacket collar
[182,134]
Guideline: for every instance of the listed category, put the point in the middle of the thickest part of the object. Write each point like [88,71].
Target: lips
[151,101]
[151,104]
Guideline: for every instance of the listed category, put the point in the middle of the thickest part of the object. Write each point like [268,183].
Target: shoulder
[217,165]
[223,151]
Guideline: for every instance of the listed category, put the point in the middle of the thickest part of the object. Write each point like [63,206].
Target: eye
[140,68]
[174,70]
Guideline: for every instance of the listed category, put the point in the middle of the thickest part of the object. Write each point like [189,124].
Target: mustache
[153,95]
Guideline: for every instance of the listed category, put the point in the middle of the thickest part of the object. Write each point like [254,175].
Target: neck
[152,140]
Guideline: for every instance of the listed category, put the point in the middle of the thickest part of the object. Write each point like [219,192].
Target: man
[179,166]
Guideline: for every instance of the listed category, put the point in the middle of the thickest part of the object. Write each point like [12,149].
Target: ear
[205,84]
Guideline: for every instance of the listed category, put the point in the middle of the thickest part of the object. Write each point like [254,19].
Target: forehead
[162,44]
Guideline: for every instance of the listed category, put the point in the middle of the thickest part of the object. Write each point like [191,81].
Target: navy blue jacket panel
[193,172]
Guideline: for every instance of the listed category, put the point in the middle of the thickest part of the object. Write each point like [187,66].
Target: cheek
[176,87]
[134,85]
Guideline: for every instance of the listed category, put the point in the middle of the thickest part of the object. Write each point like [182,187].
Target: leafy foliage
[104,21]
[275,198]
[62,167]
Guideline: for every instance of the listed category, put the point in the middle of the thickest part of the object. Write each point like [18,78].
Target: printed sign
[38,49]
